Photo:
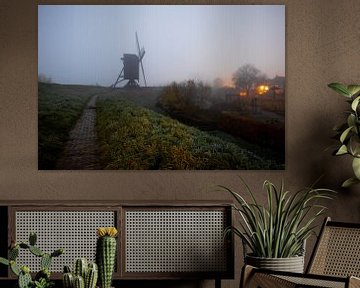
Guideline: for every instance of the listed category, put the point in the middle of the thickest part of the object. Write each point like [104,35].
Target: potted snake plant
[348,132]
[274,234]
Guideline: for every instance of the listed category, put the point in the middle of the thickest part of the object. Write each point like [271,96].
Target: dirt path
[81,150]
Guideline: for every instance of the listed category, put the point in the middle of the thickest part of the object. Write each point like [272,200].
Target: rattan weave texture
[338,253]
[175,241]
[75,231]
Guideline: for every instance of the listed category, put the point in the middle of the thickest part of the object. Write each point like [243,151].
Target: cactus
[44,273]
[68,280]
[91,276]
[105,254]
[80,268]
[87,272]
[79,282]
[67,269]
[57,252]
[24,245]
[13,253]
[45,261]
[14,268]
[42,278]
[24,277]
[32,238]
[36,251]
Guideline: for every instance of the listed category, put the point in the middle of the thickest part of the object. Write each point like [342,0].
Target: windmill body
[130,71]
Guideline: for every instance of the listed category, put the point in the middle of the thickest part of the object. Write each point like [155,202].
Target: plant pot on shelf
[274,234]
[290,264]
[287,264]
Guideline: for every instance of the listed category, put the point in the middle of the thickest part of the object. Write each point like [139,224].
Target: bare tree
[218,83]
[246,76]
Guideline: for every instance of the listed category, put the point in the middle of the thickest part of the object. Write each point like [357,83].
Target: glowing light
[262,89]
[243,93]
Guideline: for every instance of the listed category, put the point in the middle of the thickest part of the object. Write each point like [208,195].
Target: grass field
[59,107]
[133,137]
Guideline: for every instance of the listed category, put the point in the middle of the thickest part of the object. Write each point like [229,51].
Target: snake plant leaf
[340,88]
[353,89]
[342,150]
[345,134]
[278,228]
[349,182]
[356,167]
[355,103]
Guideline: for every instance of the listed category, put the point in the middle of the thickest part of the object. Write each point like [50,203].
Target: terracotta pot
[291,264]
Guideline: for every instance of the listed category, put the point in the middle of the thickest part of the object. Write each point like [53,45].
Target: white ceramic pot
[291,264]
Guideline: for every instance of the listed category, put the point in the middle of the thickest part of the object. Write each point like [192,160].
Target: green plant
[349,132]
[43,283]
[105,254]
[42,278]
[279,229]
[85,275]
[186,97]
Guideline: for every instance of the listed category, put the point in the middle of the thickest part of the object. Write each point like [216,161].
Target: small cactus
[24,278]
[24,246]
[32,238]
[14,268]
[67,269]
[84,274]
[68,280]
[44,273]
[13,253]
[79,282]
[45,261]
[106,254]
[81,265]
[57,252]
[91,276]
[36,251]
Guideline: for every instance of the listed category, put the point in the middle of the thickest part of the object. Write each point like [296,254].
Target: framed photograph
[161,87]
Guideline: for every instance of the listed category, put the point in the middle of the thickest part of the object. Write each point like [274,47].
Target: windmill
[130,70]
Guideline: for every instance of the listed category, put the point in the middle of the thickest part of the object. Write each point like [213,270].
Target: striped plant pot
[291,264]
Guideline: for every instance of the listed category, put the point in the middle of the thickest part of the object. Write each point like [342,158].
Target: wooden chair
[334,263]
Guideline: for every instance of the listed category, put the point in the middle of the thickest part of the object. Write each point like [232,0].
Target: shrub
[185,97]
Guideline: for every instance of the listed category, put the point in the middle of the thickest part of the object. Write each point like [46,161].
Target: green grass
[59,107]
[133,137]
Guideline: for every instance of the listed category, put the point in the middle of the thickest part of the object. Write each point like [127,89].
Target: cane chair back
[337,252]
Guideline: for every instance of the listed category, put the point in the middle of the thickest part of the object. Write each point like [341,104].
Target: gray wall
[322,46]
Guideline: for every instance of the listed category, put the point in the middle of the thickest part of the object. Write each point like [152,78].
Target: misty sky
[83,44]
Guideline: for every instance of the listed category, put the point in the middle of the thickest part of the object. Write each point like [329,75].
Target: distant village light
[243,93]
[262,89]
